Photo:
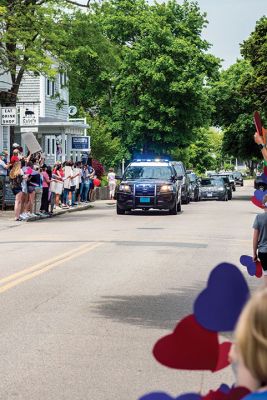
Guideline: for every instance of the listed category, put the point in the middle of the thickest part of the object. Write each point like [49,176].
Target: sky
[230,23]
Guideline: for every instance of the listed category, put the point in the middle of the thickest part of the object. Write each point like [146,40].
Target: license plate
[144,199]
[209,194]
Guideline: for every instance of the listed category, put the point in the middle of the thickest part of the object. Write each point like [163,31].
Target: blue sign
[80,143]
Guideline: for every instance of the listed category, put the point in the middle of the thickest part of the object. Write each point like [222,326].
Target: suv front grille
[145,189]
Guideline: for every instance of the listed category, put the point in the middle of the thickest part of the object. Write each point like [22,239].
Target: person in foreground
[260,142]
[249,353]
[260,239]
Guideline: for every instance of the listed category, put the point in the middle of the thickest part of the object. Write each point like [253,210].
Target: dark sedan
[194,188]
[213,188]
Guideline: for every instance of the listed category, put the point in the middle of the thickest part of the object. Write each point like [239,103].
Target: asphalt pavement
[85,296]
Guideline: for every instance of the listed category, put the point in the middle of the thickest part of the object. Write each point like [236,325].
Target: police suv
[148,184]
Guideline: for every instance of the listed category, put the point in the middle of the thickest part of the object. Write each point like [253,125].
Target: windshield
[211,182]
[148,172]
[179,169]
[237,175]
[192,177]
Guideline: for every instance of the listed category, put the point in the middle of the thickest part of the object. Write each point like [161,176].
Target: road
[85,296]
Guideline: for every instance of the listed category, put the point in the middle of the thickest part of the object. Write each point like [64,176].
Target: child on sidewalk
[260,239]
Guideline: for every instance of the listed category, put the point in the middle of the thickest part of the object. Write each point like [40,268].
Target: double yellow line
[29,273]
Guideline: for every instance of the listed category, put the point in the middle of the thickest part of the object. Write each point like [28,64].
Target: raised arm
[259,140]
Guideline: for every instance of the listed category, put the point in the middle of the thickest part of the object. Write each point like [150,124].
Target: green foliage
[93,61]
[33,34]
[254,49]
[240,91]
[159,95]
[204,153]
[234,111]
[108,150]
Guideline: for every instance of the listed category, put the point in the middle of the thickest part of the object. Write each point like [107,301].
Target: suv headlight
[221,189]
[166,189]
[125,188]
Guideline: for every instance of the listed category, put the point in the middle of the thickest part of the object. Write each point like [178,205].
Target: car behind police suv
[149,184]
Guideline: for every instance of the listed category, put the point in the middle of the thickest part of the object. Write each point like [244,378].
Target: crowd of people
[39,188]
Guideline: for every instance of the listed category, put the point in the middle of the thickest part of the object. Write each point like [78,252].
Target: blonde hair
[251,335]
[264,200]
[15,171]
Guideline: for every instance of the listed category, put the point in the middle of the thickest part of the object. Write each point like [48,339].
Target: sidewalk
[9,214]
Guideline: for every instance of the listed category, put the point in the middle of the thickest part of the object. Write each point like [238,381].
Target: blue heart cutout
[248,262]
[259,194]
[164,396]
[218,307]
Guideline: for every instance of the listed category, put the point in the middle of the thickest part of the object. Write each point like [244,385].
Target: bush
[99,169]
[104,181]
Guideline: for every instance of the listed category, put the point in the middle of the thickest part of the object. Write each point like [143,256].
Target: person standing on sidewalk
[16,177]
[38,178]
[3,174]
[45,195]
[111,183]
[260,239]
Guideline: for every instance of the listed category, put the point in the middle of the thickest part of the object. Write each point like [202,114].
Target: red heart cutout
[223,360]
[234,394]
[258,269]
[189,347]
[256,202]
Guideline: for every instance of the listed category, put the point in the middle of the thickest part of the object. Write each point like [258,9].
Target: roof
[47,121]
[149,164]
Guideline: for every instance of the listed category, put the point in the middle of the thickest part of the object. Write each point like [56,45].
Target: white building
[49,101]
[5,86]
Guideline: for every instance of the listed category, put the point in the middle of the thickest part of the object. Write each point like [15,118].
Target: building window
[50,87]
[5,137]
[48,146]
[53,146]
[63,79]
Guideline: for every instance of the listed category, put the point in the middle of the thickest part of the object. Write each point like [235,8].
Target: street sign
[29,129]
[8,116]
[80,143]
[72,110]
[29,115]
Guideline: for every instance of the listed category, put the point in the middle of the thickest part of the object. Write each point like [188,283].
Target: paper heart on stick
[248,262]
[256,202]
[237,393]
[190,347]
[258,269]
[263,178]
[254,268]
[259,194]
[164,396]
[217,307]
[223,360]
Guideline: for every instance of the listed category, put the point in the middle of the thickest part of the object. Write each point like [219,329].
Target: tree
[234,111]
[204,153]
[93,61]
[32,37]
[108,150]
[160,92]
[254,49]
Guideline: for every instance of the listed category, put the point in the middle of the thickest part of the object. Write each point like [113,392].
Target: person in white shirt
[111,183]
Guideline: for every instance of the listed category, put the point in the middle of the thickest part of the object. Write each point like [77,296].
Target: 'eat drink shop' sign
[8,116]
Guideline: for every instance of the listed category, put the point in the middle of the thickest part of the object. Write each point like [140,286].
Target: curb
[60,212]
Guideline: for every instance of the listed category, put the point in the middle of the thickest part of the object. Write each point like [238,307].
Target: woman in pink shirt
[46,184]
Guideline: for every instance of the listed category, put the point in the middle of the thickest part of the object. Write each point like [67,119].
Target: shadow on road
[155,311]
[242,197]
